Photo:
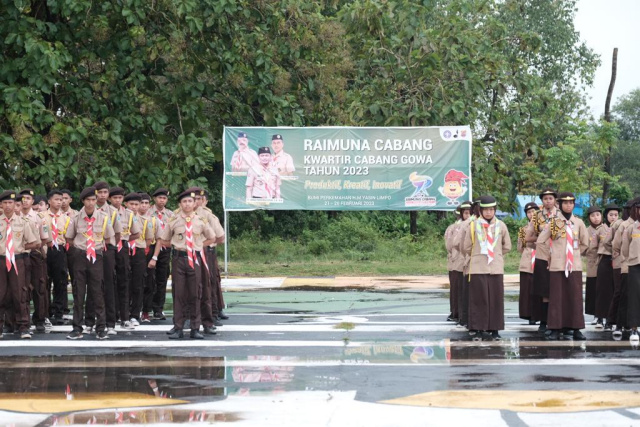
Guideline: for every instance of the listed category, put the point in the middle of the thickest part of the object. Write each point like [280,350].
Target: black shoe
[102,335]
[578,336]
[59,321]
[7,330]
[75,335]
[177,334]
[222,316]
[542,328]
[187,324]
[209,330]
[172,331]
[496,336]
[553,336]
[450,317]
[40,327]
[532,322]
[608,327]
[217,322]
[486,336]
[159,315]
[195,335]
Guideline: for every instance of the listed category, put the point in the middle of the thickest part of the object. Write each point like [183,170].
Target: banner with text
[346,168]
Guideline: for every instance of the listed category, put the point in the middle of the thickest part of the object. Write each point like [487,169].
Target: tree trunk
[607,118]
[413,223]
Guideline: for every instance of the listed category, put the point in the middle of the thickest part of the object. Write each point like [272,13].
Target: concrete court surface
[325,352]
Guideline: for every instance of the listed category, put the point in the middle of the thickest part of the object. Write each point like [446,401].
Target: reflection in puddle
[144,416]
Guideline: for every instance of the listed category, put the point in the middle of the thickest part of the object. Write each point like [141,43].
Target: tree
[624,161]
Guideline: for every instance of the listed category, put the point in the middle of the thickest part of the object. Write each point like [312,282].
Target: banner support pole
[226,244]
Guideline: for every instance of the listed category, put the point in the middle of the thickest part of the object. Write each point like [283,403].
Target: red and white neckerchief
[160,219]
[9,251]
[204,260]
[568,267]
[132,247]
[533,259]
[188,235]
[490,244]
[54,228]
[91,243]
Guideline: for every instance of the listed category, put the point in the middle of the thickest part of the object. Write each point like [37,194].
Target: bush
[319,247]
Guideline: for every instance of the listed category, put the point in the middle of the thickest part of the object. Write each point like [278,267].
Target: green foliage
[624,159]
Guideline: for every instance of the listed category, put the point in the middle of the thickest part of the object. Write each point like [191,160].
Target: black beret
[101,185]
[132,197]
[8,195]
[27,192]
[187,193]
[88,192]
[611,207]
[161,192]
[54,193]
[264,150]
[593,209]
[531,205]
[566,196]
[548,191]
[465,205]
[488,202]
[276,137]
[144,196]
[116,191]
[242,135]
[197,190]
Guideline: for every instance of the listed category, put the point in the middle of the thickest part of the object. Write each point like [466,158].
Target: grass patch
[347,326]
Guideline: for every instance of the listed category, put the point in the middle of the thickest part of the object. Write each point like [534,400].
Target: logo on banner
[420,196]
[455,186]
[453,134]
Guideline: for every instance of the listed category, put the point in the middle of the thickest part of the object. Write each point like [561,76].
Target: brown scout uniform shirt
[559,255]
[631,244]
[455,260]
[213,222]
[607,244]
[71,213]
[617,245]
[23,233]
[112,212]
[102,230]
[62,221]
[593,258]
[526,249]
[543,250]
[460,235]
[130,223]
[150,230]
[478,261]
[175,232]
[36,220]
[163,216]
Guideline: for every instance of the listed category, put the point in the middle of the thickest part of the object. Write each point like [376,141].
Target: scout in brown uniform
[570,239]
[629,216]
[612,217]
[527,261]
[459,260]
[137,261]
[486,243]
[605,283]
[186,232]
[595,228]
[459,239]
[162,214]
[131,230]
[147,243]
[631,251]
[543,250]
[263,180]
[451,254]
[58,223]
[67,199]
[35,264]
[212,300]
[109,263]
[86,234]
[17,237]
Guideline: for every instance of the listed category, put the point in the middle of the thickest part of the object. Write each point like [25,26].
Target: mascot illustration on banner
[455,186]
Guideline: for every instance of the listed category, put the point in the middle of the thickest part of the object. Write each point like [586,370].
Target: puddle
[144,416]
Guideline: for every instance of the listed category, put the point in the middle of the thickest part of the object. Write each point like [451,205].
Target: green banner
[346,168]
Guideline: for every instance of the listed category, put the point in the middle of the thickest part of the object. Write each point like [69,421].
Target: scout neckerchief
[54,228]
[9,252]
[189,238]
[91,243]
[487,237]
[568,267]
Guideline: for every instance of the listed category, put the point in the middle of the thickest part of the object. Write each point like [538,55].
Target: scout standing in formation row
[551,245]
[118,258]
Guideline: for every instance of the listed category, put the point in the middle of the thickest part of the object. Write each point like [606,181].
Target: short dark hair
[67,192]
[54,193]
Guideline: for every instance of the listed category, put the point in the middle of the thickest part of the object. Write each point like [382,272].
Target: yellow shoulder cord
[130,222]
[66,225]
[144,230]
[113,217]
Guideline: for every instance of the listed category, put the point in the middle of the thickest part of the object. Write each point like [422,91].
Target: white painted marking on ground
[251,283]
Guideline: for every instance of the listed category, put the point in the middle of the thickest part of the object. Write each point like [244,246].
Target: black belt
[18,256]
[606,256]
[110,246]
[182,253]
[209,249]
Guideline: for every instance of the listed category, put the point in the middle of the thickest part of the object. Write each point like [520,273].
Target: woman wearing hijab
[631,252]
[570,239]
[527,262]
[594,214]
[605,283]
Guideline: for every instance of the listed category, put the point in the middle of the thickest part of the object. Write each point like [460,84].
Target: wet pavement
[318,357]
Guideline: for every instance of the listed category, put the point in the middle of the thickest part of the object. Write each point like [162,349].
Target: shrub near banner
[346,168]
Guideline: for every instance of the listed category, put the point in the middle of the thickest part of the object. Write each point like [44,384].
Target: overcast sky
[603,25]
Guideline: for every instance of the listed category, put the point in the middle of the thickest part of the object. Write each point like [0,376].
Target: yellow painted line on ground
[308,281]
[49,403]
[555,401]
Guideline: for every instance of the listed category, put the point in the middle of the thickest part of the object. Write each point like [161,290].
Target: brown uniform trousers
[209,307]
[187,290]
[14,293]
[87,278]
[36,279]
